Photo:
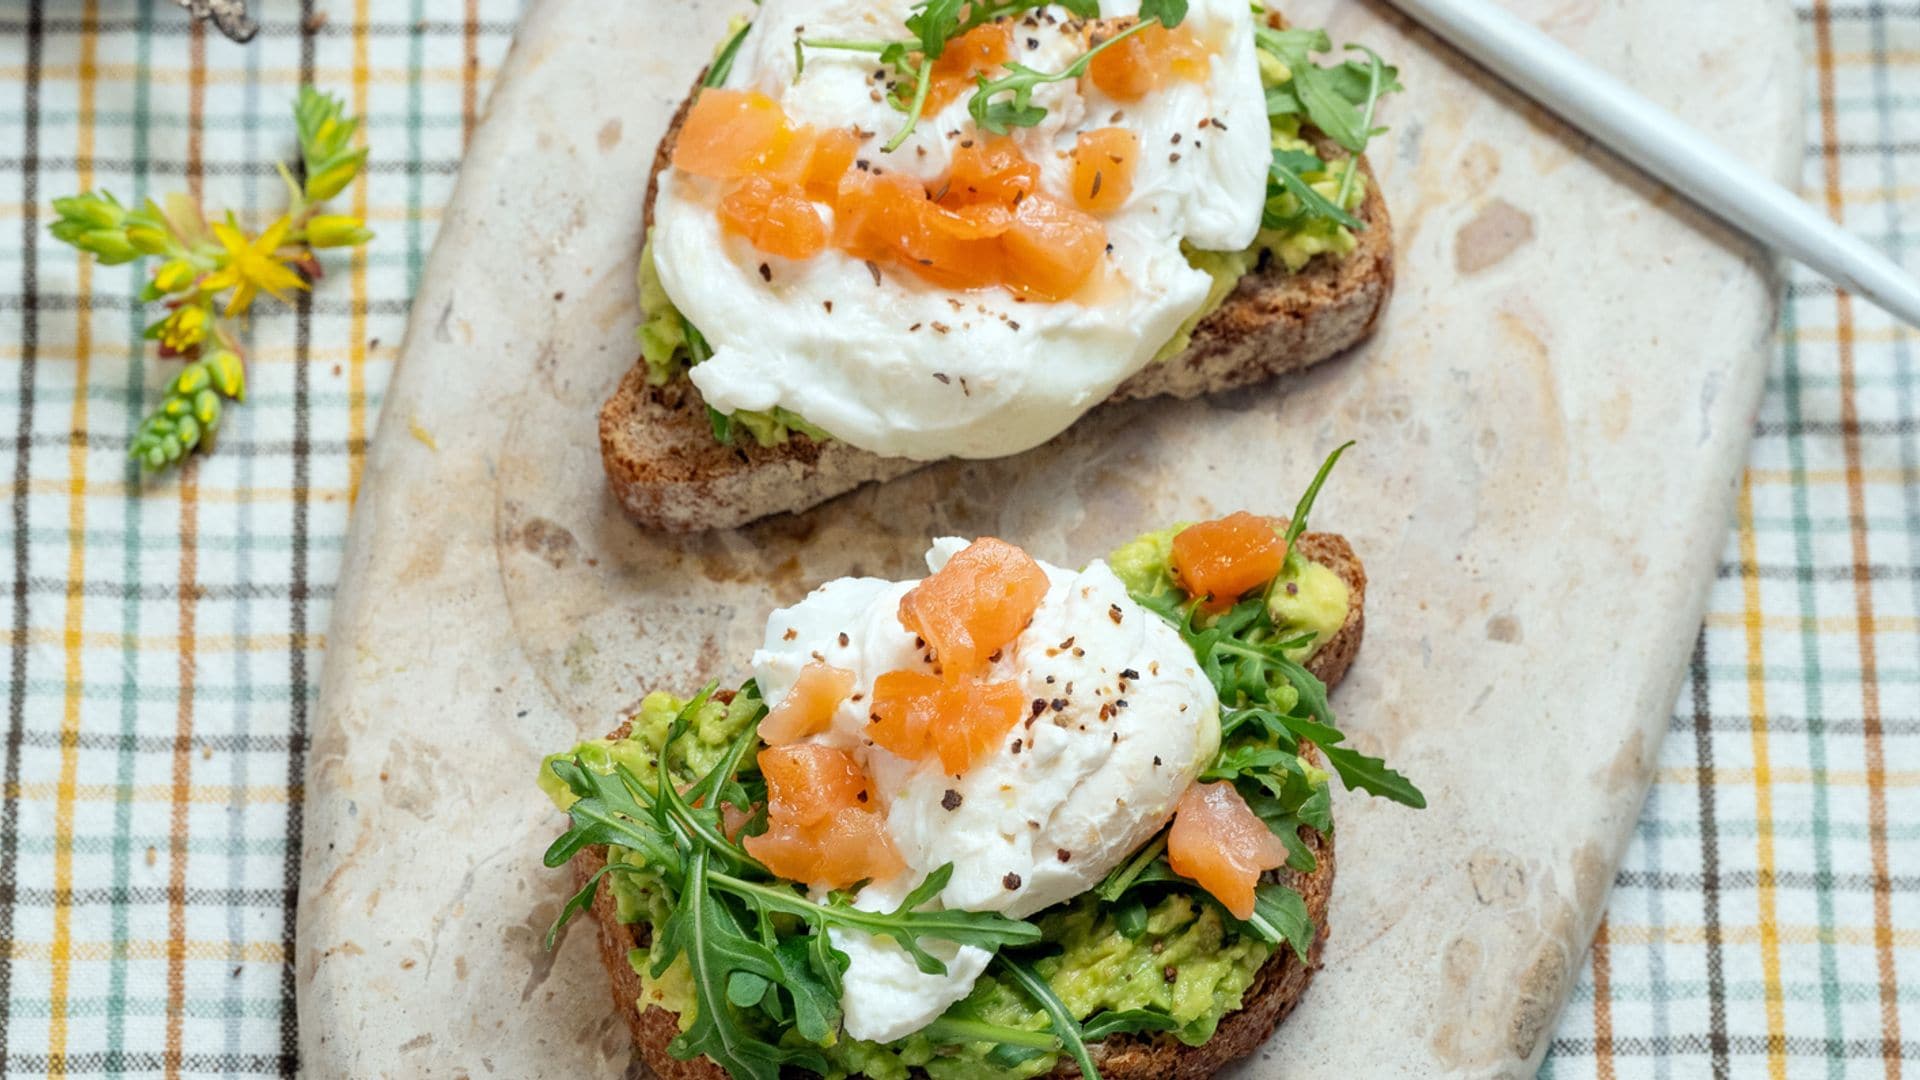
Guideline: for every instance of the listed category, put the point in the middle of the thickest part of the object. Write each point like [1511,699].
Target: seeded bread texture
[669,472]
[1276,989]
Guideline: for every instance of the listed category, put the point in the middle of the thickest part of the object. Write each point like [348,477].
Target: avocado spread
[1165,951]
[1298,237]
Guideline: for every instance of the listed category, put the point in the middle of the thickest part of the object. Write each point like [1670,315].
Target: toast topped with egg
[860,259]
[1009,820]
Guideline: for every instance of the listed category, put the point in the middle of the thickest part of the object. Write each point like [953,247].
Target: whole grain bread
[1276,988]
[670,473]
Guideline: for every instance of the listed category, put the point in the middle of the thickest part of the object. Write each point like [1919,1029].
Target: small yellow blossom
[181,330]
[252,267]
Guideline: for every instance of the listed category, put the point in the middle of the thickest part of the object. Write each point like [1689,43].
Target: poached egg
[898,366]
[1121,722]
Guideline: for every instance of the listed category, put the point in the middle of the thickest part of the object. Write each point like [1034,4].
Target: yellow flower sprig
[199,263]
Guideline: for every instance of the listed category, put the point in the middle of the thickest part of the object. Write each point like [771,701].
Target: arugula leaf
[1021,81]
[723,61]
[1353,79]
[699,352]
[1100,1025]
[1129,873]
[933,22]
[1280,915]
[1301,509]
[816,1002]
[582,899]
[1373,776]
[986,929]
[1356,770]
[1167,13]
[704,929]
[1065,1028]
[1293,47]
[1130,917]
[1376,70]
[1286,170]
[606,812]
[1012,1046]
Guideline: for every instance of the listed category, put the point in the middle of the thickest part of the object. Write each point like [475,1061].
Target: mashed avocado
[1099,967]
[666,350]
[1307,596]
[1294,244]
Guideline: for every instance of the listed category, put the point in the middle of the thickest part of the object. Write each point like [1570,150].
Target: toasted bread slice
[1276,988]
[669,472]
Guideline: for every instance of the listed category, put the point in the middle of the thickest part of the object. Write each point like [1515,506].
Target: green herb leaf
[606,811]
[1132,872]
[1100,1025]
[705,930]
[1301,509]
[906,926]
[1021,81]
[723,60]
[1286,172]
[816,1001]
[1065,1028]
[1167,13]
[1280,915]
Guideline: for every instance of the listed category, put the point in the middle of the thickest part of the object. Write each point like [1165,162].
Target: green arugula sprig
[1340,101]
[730,919]
[1271,706]
[1021,81]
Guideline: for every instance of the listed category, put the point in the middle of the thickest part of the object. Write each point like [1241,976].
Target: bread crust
[669,473]
[1276,989]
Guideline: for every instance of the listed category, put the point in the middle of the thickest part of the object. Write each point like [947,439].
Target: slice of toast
[1276,989]
[670,473]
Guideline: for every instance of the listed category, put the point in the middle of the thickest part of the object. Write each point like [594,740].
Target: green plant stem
[1366,126]
[945,1030]
[923,81]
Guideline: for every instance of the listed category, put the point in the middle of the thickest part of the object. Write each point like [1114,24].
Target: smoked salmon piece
[775,216]
[729,134]
[918,715]
[1221,560]
[1103,161]
[808,707]
[847,846]
[989,170]
[1053,249]
[806,783]
[976,52]
[824,828]
[975,605]
[1144,62]
[1220,843]
[833,153]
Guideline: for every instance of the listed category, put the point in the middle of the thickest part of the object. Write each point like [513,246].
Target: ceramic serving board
[1550,420]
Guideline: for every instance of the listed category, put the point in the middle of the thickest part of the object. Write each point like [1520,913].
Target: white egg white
[821,338]
[1122,721]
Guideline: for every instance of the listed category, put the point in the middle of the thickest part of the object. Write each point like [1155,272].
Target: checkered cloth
[162,649]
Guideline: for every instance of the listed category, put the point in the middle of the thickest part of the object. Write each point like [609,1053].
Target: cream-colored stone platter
[1550,420]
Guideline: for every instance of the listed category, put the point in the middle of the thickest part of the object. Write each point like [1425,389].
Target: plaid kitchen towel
[162,649]
[164,637]
[1766,921]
